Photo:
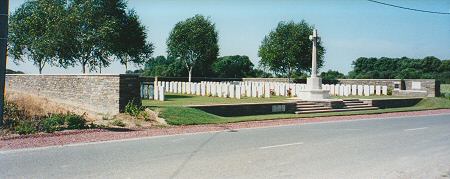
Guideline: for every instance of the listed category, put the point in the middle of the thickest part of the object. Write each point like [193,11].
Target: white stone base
[314,83]
[314,95]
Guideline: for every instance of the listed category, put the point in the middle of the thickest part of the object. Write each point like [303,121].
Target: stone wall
[431,86]
[230,110]
[282,80]
[107,94]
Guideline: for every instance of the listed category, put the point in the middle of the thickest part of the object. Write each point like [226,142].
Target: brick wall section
[107,94]
[431,86]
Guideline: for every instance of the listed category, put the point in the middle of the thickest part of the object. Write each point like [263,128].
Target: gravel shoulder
[97,135]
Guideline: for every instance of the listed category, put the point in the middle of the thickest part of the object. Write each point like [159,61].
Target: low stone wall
[393,102]
[107,94]
[282,80]
[247,109]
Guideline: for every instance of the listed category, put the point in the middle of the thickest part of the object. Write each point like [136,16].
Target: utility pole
[4,11]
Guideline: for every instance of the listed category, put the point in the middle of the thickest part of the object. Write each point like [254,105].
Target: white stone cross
[314,38]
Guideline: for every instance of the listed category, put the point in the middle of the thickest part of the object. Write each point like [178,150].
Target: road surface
[406,147]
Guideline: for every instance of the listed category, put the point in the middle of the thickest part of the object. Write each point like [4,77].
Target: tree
[288,49]
[131,46]
[37,30]
[332,75]
[194,42]
[95,25]
[233,66]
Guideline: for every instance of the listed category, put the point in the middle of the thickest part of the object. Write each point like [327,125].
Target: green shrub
[132,109]
[118,122]
[389,91]
[25,127]
[74,121]
[53,123]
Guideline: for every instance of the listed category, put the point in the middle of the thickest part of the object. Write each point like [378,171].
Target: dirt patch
[39,106]
[34,105]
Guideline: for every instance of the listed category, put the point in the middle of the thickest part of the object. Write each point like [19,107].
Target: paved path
[406,147]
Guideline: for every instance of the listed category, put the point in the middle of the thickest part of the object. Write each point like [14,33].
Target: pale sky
[349,28]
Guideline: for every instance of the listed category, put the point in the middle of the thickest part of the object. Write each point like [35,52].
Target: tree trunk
[40,67]
[84,68]
[126,66]
[190,74]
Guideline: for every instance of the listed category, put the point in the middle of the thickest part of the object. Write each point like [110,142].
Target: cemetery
[181,101]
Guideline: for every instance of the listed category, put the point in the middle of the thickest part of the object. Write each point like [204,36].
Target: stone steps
[308,107]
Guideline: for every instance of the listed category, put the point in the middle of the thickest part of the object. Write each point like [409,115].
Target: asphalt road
[408,147]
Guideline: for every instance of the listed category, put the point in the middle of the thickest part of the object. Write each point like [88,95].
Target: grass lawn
[184,100]
[177,115]
[445,88]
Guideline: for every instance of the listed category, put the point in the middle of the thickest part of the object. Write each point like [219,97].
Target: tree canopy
[36,32]
[91,33]
[194,42]
[287,49]
[233,66]
[401,68]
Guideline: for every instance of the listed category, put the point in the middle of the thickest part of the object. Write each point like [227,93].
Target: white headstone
[347,90]
[156,92]
[366,90]
[372,89]
[260,90]
[378,90]
[385,90]
[231,89]
[203,89]
[354,90]
[161,93]
[342,90]
[267,90]
[248,89]
[337,89]
[238,91]
[254,92]
[198,90]
[360,90]
[332,90]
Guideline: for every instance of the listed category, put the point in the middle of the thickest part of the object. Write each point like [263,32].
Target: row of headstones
[252,89]
[232,89]
[355,90]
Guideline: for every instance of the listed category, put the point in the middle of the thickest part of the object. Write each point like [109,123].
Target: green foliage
[332,75]
[26,127]
[132,109]
[117,122]
[75,121]
[287,49]
[401,68]
[53,123]
[232,66]
[131,45]
[37,32]
[194,43]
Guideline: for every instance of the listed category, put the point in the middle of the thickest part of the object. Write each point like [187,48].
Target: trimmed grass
[445,88]
[184,100]
[176,115]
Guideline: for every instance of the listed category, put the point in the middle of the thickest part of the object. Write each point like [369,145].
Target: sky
[348,28]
